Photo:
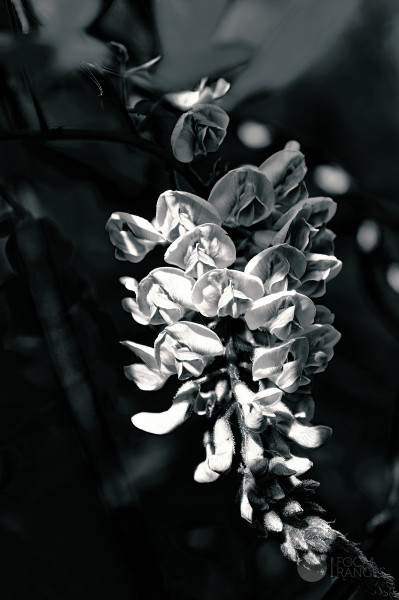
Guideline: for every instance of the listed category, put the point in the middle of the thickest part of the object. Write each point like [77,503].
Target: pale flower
[224,292]
[282,364]
[186,348]
[199,131]
[320,268]
[286,170]
[204,248]
[321,339]
[164,295]
[282,314]
[132,236]
[179,212]
[300,225]
[244,196]
[280,268]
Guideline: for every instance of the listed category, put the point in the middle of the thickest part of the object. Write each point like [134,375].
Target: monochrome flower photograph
[199,289]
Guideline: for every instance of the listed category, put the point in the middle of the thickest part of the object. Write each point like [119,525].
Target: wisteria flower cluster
[238,326]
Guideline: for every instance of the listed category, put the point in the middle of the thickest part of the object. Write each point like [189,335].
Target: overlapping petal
[147,376]
[199,131]
[167,421]
[179,212]
[280,268]
[282,314]
[164,295]
[321,339]
[204,94]
[132,236]
[283,364]
[226,292]
[202,249]
[320,268]
[301,226]
[186,348]
[286,170]
[244,196]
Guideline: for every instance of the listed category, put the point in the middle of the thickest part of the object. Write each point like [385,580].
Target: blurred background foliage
[89,506]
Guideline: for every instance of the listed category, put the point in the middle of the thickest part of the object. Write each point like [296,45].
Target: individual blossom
[282,314]
[286,171]
[223,292]
[280,268]
[148,375]
[202,249]
[179,212]
[321,339]
[186,348]
[282,364]
[244,196]
[320,268]
[300,225]
[198,132]
[164,295]
[132,236]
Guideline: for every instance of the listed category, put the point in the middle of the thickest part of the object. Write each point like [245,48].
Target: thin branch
[60,134]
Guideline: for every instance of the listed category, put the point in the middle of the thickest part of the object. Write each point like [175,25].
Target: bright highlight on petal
[164,296]
[132,236]
[202,249]
[179,212]
[282,314]
[225,292]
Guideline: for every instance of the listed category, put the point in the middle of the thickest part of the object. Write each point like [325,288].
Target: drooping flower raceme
[236,324]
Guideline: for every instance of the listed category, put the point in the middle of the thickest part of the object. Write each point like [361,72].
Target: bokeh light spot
[392,276]
[368,235]
[332,179]
[254,135]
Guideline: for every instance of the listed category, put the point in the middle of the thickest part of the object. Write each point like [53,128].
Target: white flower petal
[164,422]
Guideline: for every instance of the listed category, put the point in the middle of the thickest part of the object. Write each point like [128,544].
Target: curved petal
[205,93]
[132,236]
[320,269]
[244,196]
[286,170]
[279,267]
[221,460]
[225,291]
[283,364]
[164,295]
[130,305]
[145,377]
[164,422]
[210,239]
[281,314]
[179,212]
[199,131]
[174,341]
[304,434]
[146,353]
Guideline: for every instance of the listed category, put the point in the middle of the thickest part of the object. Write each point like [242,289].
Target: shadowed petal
[243,196]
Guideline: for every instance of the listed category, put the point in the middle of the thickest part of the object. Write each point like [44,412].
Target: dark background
[89,506]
